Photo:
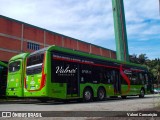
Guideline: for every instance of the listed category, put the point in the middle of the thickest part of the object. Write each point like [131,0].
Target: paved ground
[112,104]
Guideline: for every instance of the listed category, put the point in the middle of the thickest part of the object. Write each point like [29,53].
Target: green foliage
[152,65]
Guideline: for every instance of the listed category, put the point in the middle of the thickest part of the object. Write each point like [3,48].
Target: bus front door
[117,82]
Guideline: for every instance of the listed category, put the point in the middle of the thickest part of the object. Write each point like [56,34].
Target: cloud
[90,20]
[143,26]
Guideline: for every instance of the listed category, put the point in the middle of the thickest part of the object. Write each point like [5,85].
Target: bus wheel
[123,97]
[101,94]
[87,95]
[141,95]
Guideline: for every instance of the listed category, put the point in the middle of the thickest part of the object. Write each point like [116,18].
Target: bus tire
[142,93]
[123,97]
[87,95]
[101,94]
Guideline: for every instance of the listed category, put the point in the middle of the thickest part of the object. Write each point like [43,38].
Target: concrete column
[101,51]
[90,48]
[62,41]
[22,38]
[44,38]
[77,45]
[110,54]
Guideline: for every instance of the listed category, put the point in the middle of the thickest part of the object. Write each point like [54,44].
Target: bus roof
[39,51]
[19,56]
[3,64]
[84,54]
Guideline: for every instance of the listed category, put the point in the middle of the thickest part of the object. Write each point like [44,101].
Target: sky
[92,21]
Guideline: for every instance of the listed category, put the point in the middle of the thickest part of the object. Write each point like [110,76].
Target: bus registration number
[32,88]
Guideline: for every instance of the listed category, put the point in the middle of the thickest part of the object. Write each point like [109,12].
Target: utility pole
[120,30]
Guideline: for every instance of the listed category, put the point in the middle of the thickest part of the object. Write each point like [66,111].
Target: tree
[157,68]
[152,65]
[133,58]
[142,58]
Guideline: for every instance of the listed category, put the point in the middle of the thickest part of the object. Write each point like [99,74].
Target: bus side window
[134,79]
[96,74]
[149,82]
[141,78]
[146,78]
[110,76]
[103,78]
[86,73]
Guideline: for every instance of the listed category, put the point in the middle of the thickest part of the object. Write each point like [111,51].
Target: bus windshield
[14,66]
[34,64]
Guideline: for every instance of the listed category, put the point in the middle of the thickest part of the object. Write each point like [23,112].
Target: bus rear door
[72,79]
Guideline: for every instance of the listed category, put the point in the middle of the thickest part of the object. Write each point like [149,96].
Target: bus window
[134,79]
[86,73]
[14,66]
[110,77]
[142,79]
[105,78]
[34,64]
[149,82]
[96,74]
[146,78]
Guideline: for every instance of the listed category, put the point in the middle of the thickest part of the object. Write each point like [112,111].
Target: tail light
[25,83]
[43,80]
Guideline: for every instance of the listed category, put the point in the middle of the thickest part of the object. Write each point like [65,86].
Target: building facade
[17,37]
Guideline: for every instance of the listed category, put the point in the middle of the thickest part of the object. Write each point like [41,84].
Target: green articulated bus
[15,80]
[3,78]
[60,73]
